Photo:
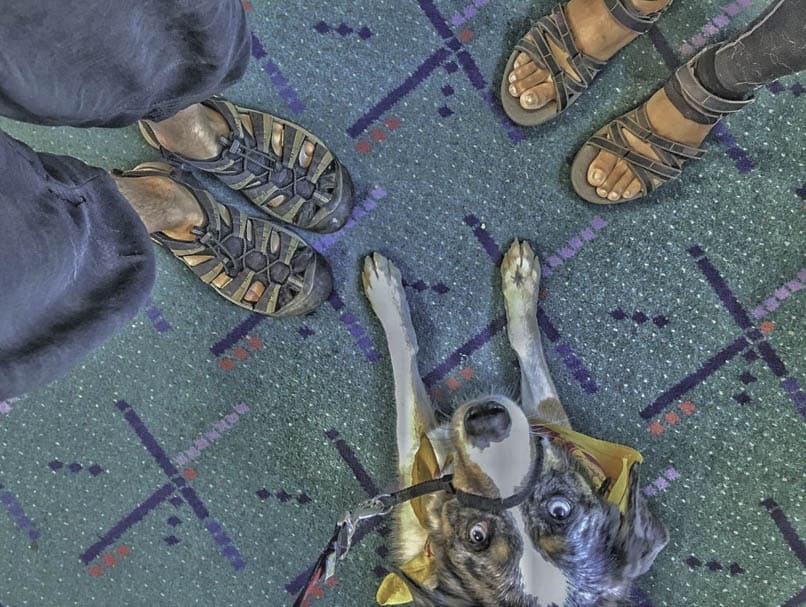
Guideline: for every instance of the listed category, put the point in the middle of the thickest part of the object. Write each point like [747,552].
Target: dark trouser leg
[77,264]
[75,260]
[772,46]
[110,63]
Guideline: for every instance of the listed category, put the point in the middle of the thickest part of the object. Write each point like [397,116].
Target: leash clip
[380,505]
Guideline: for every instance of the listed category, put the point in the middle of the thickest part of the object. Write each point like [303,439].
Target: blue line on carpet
[127,522]
[711,366]
[436,59]
[409,84]
[787,530]
[348,455]
[360,335]
[164,462]
[742,319]
[484,238]
[466,349]
[237,334]
[721,287]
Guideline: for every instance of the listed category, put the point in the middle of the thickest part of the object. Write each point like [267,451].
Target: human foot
[639,151]
[249,261]
[196,132]
[614,179]
[562,54]
[278,165]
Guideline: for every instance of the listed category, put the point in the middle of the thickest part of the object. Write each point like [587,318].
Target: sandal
[672,155]
[317,198]
[233,250]
[567,87]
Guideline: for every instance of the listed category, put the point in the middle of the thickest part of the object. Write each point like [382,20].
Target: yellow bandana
[605,462]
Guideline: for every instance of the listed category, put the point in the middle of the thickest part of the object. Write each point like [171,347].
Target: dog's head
[565,545]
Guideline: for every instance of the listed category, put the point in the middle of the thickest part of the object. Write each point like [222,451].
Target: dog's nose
[487,423]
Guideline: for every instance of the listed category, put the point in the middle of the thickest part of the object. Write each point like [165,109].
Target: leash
[382,505]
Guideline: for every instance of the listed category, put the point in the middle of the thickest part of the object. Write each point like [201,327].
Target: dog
[581,532]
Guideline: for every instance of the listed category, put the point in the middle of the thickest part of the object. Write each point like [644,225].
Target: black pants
[772,46]
[76,262]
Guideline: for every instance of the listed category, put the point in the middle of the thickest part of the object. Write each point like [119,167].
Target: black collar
[381,505]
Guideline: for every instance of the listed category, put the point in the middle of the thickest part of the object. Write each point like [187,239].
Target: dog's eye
[478,533]
[559,508]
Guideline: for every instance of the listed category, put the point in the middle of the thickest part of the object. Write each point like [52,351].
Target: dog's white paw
[383,286]
[520,278]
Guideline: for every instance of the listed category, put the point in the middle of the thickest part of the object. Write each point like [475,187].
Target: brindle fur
[598,551]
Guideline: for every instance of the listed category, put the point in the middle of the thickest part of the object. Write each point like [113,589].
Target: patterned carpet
[203,455]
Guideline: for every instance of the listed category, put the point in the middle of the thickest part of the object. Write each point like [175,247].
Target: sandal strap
[701,99]
[626,14]
[241,247]
[555,26]
[672,155]
[249,164]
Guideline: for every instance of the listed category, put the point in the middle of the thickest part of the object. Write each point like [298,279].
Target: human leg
[769,48]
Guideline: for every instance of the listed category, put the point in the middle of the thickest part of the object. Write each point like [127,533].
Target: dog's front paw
[383,286]
[520,278]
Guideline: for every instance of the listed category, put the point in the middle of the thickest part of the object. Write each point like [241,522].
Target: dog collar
[607,464]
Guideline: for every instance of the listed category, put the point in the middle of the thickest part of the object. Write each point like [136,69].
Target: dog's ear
[423,597]
[642,536]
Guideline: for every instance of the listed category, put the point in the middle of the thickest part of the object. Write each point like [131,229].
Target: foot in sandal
[638,152]
[563,52]
[251,262]
[279,166]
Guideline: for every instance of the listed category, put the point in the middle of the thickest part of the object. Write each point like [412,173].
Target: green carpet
[674,325]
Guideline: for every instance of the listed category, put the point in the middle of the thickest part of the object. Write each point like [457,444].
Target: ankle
[648,7]
[194,132]
[162,205]
[669,122]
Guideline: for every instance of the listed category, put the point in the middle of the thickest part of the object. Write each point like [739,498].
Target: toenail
[529,99]
[601,192]
[597,176]
[628,194]
[512,77]
[613,196]
[513,91]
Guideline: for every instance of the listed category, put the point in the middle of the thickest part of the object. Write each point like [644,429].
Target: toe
[522,71]
[527,82]
[537,96]
[606,189]
[522,59]
[306,154]
[632,190]
[277,138]
[617,193]
[600,168]
[255,292]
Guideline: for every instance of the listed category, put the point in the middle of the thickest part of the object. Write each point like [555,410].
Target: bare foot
[612,177]
[596,33]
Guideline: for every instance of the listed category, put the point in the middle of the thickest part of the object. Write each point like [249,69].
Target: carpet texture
[203,455]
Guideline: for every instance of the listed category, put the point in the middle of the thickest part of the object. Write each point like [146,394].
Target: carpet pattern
[203,455]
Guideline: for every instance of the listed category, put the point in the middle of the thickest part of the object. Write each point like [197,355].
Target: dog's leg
[415,415]
[520,281]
